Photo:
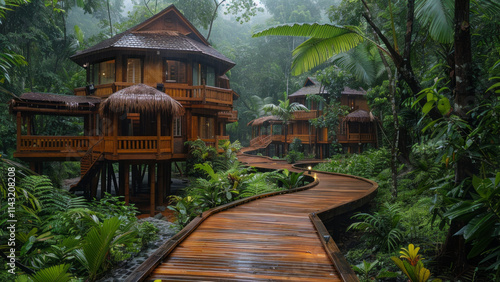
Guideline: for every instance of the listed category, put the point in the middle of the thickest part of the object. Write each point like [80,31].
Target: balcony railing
[356,137]
[180,92]
[33,143]
[303,115]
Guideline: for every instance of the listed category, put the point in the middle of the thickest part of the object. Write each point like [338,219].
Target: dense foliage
[63,232]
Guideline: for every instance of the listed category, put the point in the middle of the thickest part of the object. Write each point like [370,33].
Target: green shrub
[294,156]
[381,229]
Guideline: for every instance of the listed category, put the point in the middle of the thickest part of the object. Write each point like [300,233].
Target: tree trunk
[455,248]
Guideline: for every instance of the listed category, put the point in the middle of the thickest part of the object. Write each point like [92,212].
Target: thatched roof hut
[141,98]
[360,116]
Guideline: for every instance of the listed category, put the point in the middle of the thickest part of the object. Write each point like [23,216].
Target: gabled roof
[311,86]
[167,30]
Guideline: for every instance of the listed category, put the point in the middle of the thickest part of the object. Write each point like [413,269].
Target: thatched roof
[141,98]
[360,116]
[261,120]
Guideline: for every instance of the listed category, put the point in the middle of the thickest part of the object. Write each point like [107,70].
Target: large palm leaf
[438,16]
[326,40]
[362,61]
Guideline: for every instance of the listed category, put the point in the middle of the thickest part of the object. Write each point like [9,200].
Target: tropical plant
[294,156]
[284,111]
[291,180]
[381,229]
[368,271]
[412,265]
[96,246]
[185,209]
[56,273]
[482,217]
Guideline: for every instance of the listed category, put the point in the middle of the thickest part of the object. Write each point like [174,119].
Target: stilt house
[149,89]
[356,129]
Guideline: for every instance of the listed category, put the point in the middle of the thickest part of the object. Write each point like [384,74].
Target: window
[103,72]
[175,71]
[203,75]
[206,128]
[134,70]
[177,126]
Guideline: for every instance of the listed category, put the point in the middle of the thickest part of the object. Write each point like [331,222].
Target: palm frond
[308,30]
[359,62]
[316,51]
[438,16]
[326,40]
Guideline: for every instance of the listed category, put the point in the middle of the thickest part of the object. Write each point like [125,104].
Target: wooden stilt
[126,178]
[152,195]
[108,180]
[103,180]
[168,178]
[161,182]
[121,177]
[113,177]
[93,187]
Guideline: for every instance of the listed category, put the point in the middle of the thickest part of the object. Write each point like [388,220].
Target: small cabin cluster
[149,90]
[355,131]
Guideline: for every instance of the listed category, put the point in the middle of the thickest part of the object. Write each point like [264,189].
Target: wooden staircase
[90,164]
[261,142]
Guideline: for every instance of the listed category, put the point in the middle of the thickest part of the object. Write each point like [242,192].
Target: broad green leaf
[428,107]
[444,105]
[478,226]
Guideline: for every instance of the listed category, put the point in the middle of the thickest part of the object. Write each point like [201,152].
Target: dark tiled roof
[349,91]
[169,40]
[313,89]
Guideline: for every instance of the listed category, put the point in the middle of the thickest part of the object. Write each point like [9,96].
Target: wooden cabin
[149,90]
[356,129]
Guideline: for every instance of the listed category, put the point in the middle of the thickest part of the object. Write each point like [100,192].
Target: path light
[309,169]
[315,177]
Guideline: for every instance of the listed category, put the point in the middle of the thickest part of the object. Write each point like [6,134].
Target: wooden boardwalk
[272,238]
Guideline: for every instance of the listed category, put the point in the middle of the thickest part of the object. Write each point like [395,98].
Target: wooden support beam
[115,134]
[168,178]
[126,178]
[103,180]
[108,182]
[121,178]
[152,196]
[94,184]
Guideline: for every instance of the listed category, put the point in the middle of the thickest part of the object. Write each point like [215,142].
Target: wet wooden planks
[267,239]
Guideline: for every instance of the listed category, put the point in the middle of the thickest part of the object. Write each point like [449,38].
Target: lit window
[104,72]
[134,73]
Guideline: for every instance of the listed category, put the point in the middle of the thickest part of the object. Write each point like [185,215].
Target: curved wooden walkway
[271,238]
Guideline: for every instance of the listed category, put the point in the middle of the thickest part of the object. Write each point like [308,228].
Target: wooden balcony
[121,147]
[303,115]
[54,146]
[231,116]
[180,92]
[356,138]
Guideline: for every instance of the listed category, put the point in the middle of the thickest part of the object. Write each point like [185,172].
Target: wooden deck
[267,238]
